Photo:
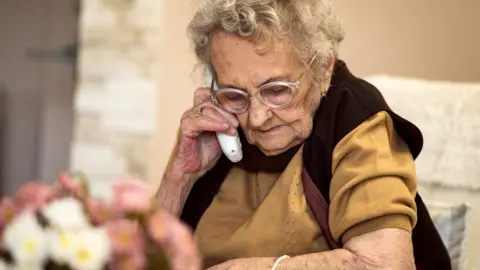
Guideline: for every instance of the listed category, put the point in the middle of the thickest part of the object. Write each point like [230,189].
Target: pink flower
[73,186]
[135,261]
[128,242]
[34,195]
[99,212]
[132,196]
[126,236]
[8,209]
[156,227]
[175,239]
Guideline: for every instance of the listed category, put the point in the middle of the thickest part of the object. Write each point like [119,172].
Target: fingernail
[232,131]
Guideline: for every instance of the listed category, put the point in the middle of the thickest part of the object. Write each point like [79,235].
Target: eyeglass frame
[292,85]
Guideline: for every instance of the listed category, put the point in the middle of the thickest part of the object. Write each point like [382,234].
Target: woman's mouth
[270,130]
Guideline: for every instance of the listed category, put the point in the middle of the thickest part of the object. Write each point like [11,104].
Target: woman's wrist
[178,177]
[174,190]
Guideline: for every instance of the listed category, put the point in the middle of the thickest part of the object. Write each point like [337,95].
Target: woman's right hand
[198,149]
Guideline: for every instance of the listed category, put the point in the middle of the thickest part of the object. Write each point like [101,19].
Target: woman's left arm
[382,249]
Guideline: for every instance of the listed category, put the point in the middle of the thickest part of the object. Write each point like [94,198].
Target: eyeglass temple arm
[214,75]
[308,66]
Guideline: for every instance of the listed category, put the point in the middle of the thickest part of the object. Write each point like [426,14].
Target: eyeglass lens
[274,96]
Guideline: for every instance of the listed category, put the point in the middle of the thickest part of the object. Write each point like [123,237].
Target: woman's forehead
[239,62]
[227,48]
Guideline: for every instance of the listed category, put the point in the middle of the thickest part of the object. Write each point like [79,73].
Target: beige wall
[428,39]
[409,38]
[177,82]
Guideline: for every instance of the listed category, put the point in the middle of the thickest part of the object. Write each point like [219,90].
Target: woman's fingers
[205,123]
[207,117]
[202,100]
[210,109]
[194,126]
[200,96]
[214,115]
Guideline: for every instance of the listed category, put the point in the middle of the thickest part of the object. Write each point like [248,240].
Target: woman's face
[241,64]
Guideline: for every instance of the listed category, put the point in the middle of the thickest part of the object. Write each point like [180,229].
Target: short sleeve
[373,181]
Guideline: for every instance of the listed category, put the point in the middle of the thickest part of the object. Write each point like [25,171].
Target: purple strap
[319,208]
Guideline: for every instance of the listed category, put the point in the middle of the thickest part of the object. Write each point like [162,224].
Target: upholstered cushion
[452,224]
[448,114]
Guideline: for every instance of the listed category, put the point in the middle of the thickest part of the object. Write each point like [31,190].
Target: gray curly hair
[311,27]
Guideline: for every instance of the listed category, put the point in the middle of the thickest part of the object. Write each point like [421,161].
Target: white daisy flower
[26,240]
[61,245]
[92,250]
[66,213]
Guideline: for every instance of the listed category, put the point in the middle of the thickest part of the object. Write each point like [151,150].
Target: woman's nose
[258,113]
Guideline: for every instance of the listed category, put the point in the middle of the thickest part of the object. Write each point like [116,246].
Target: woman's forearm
[338,259]
[343,259]
[173,191]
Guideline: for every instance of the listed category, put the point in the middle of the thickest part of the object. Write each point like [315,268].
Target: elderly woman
[327,180]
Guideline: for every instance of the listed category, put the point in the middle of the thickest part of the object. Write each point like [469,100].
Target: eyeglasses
[275,95]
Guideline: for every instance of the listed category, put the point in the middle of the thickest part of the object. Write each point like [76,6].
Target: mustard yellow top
[266,214]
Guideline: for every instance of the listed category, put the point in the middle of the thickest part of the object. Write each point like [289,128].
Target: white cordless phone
[231,145]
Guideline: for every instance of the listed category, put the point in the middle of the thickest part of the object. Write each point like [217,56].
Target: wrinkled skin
[244,65]
[241,64]
[198,149]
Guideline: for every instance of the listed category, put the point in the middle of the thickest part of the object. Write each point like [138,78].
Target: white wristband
[279,260]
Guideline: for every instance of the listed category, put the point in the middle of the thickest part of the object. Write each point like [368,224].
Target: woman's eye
[276,90]
[233,96]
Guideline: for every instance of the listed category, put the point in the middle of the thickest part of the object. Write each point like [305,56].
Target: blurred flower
[26,240]
[134,261]
[61,245]
[156,227]
[100,212]
[8,210]
[128,244]
[92,250]
[175,240]
[125,235]
[66,213]
[33,195]
[64,224]
[73,186]
[132,196]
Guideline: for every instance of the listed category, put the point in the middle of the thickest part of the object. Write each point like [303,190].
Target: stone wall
[116,95]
